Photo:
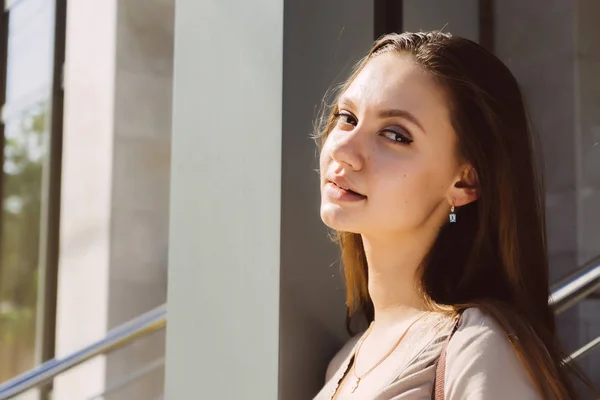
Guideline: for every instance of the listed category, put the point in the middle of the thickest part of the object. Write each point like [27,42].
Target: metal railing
[565,294]
[571,290]
[576,286]
[143,325]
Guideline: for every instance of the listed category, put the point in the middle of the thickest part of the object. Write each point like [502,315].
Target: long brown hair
[495,257]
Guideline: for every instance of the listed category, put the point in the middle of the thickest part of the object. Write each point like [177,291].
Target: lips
[340,195]
[348,190]
[344,184]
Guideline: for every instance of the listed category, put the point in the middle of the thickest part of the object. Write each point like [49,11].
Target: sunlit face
[394,145]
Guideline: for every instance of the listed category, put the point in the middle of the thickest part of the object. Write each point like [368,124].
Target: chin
[337,218]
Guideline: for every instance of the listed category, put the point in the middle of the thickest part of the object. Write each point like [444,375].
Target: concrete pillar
[255,302]
[115,185]
[82,312]
[223,303]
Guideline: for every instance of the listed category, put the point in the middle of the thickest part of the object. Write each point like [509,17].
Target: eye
[397,137]
[345,118]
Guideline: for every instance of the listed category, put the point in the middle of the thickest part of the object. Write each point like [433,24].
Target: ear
[466,188]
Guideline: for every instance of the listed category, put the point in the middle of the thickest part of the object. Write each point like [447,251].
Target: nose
[346,149]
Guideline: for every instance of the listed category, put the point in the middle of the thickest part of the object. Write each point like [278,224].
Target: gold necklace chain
[359,378]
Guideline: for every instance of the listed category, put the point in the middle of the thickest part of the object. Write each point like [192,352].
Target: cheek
[398,177]
[404,191]
[409,187]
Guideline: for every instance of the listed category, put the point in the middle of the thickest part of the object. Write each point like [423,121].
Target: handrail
[564,295]
[585,349]
[143,325]
[572,289]
[576,286]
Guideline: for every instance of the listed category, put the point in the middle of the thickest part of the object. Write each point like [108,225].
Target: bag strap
[440,369]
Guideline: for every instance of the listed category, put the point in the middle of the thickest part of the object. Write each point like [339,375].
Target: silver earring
[452,214]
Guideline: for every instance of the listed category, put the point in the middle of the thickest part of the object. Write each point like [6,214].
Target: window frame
[50,214]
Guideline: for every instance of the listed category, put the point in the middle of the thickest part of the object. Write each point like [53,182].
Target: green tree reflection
[19,250]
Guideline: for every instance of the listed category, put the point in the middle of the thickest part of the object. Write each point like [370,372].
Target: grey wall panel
[459,17]
[322,41]
[539,49]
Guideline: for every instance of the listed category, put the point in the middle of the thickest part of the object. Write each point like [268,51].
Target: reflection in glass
[25,117]
[22,182]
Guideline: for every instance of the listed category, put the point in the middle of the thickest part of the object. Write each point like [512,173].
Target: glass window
[26,136]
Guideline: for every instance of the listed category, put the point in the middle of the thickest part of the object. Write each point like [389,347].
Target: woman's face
[393,144]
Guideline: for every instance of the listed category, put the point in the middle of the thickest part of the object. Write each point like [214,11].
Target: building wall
[554,55]
[540,50]
[587,100]
[249,253]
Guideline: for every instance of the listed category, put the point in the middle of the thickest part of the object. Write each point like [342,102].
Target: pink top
[480,364]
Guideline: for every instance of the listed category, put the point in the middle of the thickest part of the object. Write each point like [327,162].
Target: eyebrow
[390,113]
[402,114]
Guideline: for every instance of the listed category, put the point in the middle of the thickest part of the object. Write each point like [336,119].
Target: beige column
[256,307]
[82,312]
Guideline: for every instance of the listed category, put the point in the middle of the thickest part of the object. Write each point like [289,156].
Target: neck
[393,266]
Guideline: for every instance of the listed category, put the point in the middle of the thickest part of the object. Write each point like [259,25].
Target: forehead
[395,80]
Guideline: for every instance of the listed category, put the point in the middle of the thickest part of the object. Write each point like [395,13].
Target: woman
[429,178]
